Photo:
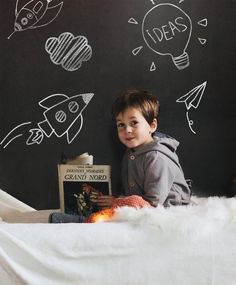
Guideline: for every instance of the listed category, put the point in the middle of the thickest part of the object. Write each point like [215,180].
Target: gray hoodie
[153,172]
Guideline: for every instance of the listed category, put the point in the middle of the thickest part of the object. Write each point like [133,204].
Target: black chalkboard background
[28,75]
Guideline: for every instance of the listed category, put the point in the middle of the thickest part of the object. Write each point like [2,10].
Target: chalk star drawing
[34,14]
[192,100]
[62,116]
[68,51]
[167,30]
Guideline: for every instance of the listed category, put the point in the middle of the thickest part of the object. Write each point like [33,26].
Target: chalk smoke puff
[68,51]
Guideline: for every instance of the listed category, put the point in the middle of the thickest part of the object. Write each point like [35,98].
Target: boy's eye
[120,125]
[133,123]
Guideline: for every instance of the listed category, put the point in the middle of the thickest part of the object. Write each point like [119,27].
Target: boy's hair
[142,100]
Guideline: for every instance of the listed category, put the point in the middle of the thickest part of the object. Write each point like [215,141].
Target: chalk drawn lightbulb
[167,30]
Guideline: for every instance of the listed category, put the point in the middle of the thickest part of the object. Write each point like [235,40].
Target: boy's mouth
[130,138]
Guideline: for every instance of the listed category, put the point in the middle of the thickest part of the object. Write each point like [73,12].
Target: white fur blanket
[193,245]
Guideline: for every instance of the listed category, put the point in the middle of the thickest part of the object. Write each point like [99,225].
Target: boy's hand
[105,201]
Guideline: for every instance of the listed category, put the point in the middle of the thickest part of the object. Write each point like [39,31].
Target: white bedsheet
[11,205]
[177,246]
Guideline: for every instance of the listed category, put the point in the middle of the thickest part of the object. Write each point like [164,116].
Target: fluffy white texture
[203,217]
[193,245]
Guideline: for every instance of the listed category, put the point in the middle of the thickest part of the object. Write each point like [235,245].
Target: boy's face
[133,129]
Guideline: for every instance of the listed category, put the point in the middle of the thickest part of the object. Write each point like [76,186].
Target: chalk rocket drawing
[192,100]
[62,116]
[167,30]
[34,14]
[68,51]
[65,116]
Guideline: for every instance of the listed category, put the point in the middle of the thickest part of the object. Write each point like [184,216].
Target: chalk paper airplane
[192,100]
[193,97]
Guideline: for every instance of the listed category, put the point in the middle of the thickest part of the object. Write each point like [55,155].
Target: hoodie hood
[153,171]
[165,145]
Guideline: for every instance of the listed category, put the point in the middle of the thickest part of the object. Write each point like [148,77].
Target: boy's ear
[153,125]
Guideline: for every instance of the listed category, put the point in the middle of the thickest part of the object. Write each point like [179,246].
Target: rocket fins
[74,129]
[52,100]
[50,15]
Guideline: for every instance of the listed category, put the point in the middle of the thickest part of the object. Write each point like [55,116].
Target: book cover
[80,185]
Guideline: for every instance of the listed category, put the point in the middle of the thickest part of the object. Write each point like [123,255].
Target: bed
[182,245]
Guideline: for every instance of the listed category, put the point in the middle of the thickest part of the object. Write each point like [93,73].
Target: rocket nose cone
[18,27]
[87,97]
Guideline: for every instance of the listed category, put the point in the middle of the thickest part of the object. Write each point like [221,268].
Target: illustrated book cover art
[80,185]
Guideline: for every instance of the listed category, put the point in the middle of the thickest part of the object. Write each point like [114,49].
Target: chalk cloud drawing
[167,30]
[62,116]
[68,51]
[34,14]
[192,100]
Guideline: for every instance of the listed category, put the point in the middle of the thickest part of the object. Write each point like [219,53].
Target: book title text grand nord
[85,174]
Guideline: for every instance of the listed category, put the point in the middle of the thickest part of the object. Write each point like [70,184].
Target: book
[83,158]
[80,186]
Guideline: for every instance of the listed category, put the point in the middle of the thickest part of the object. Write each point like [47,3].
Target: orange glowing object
[101,216]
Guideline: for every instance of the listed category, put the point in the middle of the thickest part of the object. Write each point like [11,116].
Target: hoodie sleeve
[159,177]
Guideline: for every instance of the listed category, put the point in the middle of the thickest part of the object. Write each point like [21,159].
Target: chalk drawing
[192,100]
[11,136]
[132,21]
[68,51]
[203,22]
[62,116]
[202,41]
[153,67]
[136,50]
[36,136]
[167,31]
[168,35]
[34,14]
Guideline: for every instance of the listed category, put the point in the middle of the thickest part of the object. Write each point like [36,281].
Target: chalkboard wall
[83,54]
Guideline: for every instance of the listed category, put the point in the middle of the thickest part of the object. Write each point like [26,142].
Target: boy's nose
[128,129]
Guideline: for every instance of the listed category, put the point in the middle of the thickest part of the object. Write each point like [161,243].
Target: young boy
[150,168]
